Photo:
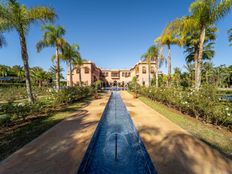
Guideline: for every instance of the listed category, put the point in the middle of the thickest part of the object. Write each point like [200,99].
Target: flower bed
[204,104]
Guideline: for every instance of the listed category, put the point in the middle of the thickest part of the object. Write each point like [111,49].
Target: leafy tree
[149,56]
[53,37]
[13,15]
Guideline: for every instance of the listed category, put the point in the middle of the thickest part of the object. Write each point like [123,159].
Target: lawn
[12,139]
[217,138]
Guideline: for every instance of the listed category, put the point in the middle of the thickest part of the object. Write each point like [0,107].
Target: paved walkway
[172,149]
[60,149]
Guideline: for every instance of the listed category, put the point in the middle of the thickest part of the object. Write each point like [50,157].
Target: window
[152,70]
[78,70]
[127,74]
[123,74]
[86,70]
[115,74]
[144,71]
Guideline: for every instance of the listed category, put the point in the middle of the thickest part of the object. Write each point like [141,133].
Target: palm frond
[43,14]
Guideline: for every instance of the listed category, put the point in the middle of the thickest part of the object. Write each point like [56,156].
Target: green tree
[39,75]
[150,56]
[169,37]
[177,76]
[77,63]
[70,54]
[53,37]
[191,46]
[16,16]
[204,14]
[18,71]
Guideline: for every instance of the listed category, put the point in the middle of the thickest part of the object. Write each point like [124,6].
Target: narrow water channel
[116,147]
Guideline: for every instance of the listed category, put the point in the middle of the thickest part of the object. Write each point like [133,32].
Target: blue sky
[111,33]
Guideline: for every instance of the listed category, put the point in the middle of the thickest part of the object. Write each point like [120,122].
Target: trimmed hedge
[11,113]
[204,104]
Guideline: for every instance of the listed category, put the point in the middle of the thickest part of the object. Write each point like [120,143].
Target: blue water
[116,147]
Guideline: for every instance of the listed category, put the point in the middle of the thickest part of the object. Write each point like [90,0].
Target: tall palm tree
[16,16]
[150,56]
[160,59]
[206,13]
[230,36]
[168,38]
[77,63]
[53,37]
[70,53]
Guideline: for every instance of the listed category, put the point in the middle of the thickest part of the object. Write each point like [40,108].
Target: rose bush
[204,104]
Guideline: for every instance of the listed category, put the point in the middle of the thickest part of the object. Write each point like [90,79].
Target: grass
[12,140]
[218,139]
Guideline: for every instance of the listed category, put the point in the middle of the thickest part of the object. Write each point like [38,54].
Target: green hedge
[203,104]
[11,113]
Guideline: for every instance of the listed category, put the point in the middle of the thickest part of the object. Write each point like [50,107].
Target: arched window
[86,70]
[152,70]
[144,70]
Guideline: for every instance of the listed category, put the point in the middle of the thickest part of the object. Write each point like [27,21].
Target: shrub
[204,104]
[72,94]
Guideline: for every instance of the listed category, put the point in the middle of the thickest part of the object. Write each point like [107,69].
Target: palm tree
[150,56]
[77,63]
[53,37]
[16,16]
[206,13]
[38,75]
[18,71]
[230,36]
[168,38]
[160,59]
[70,53]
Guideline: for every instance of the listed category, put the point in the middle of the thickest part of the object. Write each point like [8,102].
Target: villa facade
[90,73]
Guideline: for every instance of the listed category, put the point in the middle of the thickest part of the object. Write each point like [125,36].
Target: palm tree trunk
[169,66]
[196,62]
[199,60]
[26,66]
[157,67]
[80,76]
[57,70]
[70,74]
[149,72]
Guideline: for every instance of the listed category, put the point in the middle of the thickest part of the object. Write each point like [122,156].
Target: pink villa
[90,73]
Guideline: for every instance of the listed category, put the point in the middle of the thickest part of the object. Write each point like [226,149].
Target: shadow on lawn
[58,150]
[180,153]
